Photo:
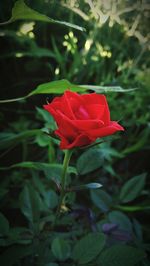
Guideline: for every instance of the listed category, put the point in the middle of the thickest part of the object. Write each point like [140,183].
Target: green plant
[39,61]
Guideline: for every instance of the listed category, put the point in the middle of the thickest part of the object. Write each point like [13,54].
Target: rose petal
[95,98]
[66,127]
[67,109]
[74,99]
[95,111]
[98,99]
[77,125]
[53,108]
[81,140]
[87,124]
[105,131]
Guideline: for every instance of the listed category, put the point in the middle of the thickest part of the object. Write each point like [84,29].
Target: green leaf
[88,247]
[101,199]
[51,171]
[139,143]
[54,87]
[104,89]
[42,140]
[37,183]
[11,139]
[41,166]
[30,203]
[121,219]
[137,228]
[4,225]
[133,208]
[86,186]
[51,199]
[31,50]
[45,115]
[132,188]
[108,153]
[22,11]
[58,86]
[120,255]
[20,235]
[61,249]
[89,161]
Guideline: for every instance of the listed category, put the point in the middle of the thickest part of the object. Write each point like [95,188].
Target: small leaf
[120,255]
[51,199]
[137,229]
[101,199]
[22,11]
[42,140]
[88,247]
[11,139]
[121,219]
[89,161]
[30,204]
[4,225]
[60,249]
[108,153]
[45,115]
[51,171]
[132,188]
[104,89]
[20,235]
[42,166]
[133,208]
[86,186]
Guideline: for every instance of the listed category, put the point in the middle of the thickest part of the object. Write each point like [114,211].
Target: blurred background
[112,51]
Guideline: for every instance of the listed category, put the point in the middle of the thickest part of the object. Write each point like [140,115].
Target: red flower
[81,119]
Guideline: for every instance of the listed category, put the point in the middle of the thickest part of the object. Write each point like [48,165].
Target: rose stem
[67,157]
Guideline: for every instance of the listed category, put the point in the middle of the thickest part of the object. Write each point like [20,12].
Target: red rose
[81,119]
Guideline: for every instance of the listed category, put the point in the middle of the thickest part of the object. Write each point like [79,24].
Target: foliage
[105,219]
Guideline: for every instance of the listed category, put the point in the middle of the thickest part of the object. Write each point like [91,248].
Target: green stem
[5,22]
[51,152]
[67,157]
[14,100]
